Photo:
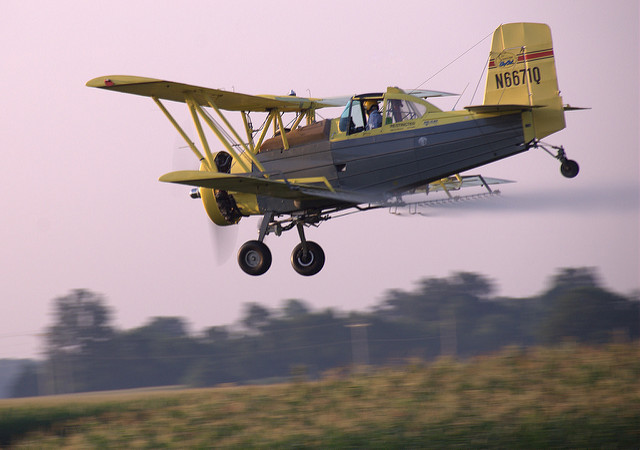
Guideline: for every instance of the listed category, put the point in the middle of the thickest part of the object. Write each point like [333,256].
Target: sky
[82,207]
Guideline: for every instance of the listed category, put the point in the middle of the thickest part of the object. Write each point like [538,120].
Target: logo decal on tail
[505,59]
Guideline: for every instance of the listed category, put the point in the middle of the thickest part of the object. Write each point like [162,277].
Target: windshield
[352,116]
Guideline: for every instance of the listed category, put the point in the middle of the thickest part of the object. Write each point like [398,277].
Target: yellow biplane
[384,146]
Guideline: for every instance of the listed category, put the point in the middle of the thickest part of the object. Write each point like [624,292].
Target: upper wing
[501,108]
[230,101]
[262,186]
[423,93]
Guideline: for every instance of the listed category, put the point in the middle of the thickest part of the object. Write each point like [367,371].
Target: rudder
[522,72]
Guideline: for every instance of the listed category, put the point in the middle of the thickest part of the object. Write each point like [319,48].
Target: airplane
[383,147]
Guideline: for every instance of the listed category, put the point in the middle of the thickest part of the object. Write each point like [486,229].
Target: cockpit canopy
[395,106]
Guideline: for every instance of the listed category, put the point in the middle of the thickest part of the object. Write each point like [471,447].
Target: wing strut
[197,111]
[194,149]
[203,138]
[248,128]
[265,128]
[221,138]
[283,134]
[235,134]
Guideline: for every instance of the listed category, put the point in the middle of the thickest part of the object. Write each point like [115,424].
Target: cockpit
[394,106]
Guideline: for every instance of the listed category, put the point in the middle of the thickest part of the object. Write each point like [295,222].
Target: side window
[352,115]
[401,110]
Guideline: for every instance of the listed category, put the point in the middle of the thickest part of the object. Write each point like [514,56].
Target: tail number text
[518,77]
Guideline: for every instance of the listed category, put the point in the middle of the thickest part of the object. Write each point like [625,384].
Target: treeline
[457,316]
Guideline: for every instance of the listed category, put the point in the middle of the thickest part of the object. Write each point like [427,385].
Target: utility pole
[359,344]
[448,332]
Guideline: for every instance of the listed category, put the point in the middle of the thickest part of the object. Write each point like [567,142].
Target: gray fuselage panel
[398,161]
[395,162]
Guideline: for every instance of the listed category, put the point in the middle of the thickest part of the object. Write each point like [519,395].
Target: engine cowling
[220,206]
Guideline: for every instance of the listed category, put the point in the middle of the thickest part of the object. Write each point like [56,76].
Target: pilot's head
[369,104]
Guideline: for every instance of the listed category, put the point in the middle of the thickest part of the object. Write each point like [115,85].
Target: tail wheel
[569,168]
[309,264]
[254,257]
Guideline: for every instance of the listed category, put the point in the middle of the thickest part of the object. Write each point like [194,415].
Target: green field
[567,396]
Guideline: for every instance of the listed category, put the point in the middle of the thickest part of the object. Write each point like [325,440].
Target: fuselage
[397,157]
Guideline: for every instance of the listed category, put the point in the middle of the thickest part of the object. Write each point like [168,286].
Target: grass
[569,396]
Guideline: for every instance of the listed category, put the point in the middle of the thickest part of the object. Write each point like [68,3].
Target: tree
[294,309]
[589,314]
[472,284]
[81,317]
[218,334]
[571,278]
[450,310]
[454,315]
[255,316]
[81,327]
[167,327]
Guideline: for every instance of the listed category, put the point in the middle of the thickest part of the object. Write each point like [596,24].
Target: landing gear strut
[307,258]
[568,167]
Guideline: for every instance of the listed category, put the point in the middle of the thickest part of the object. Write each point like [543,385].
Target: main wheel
[569,168]
[254,257]
[310,264]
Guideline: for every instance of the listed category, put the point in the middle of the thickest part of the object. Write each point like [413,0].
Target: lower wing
[262,186]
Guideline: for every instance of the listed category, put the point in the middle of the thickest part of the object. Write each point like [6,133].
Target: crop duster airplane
[382,148]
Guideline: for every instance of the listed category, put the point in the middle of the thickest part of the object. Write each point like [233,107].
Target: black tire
[254,257]
[310,265]
[569,168]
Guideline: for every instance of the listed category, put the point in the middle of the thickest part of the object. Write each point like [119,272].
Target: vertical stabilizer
[522,72]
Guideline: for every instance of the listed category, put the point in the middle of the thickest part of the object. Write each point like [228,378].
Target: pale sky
[82,207]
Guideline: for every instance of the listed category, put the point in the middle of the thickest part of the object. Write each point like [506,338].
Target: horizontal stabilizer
[574,108]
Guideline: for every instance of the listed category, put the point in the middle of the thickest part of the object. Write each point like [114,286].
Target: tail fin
[522,71]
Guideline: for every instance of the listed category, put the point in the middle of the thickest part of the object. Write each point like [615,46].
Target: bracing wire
[222,130]
[486,64]
[457,58]
[460,96]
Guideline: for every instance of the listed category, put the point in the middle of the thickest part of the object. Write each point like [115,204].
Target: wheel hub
[252,258]
[305,261]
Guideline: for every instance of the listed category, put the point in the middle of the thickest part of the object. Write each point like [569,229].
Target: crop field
[566,396]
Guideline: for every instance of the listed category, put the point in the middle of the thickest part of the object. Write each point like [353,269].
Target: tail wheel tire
[254,258]
[569,168]
[309,264]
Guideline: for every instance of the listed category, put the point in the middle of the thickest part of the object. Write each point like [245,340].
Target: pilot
[375,118]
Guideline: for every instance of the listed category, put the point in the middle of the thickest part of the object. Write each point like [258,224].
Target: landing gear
[568,167]
[254,257]
[307,257]
[309,264]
